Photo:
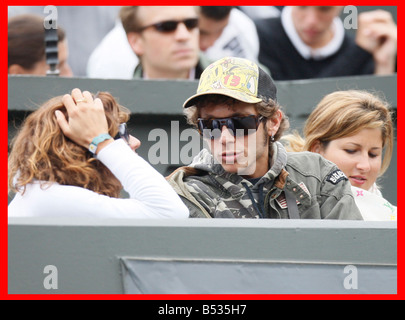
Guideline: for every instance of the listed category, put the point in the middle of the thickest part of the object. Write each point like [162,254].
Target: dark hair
[216,12]
[26,40]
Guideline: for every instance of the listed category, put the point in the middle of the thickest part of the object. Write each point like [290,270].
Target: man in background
[219,37]
[26,47]
[165,39]
[311,42]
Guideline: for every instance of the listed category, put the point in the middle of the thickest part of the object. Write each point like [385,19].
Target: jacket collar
[232,182]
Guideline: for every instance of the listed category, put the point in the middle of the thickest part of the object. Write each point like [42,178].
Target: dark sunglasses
[171,25]
[122,133]
[234,125]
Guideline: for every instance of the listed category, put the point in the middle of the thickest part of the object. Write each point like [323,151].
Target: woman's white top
[150,196]
[373,206]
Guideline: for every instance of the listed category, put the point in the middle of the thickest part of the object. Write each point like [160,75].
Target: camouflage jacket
[320,189]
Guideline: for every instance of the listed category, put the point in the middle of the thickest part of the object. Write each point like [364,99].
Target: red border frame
[3,174]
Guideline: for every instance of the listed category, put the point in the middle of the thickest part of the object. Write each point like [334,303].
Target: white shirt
[238,39]
[373,206]
[150,196]
[113,58]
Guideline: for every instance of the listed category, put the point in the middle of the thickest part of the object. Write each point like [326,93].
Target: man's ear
[136,42]
[16,69]
[273,124]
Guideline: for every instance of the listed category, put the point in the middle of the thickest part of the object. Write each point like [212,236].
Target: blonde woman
[65,162]
[354,130]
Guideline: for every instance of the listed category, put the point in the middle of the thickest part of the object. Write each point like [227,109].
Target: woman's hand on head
[86,120]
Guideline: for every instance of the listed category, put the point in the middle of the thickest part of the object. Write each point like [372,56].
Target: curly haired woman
[65,162]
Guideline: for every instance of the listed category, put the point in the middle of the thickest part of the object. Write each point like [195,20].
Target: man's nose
[312,17]
[226,135]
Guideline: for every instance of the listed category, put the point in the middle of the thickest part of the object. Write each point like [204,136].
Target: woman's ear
[316,147]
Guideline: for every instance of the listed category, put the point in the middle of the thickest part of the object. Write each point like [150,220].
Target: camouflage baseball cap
[237,78]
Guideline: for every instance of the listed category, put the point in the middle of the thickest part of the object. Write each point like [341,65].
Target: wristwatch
[100,138]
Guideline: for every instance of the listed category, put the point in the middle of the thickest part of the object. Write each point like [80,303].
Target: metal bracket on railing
[51,50]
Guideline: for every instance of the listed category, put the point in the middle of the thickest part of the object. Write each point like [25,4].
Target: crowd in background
[289,42]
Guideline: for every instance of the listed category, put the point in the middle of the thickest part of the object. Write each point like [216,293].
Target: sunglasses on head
[122,133]
[171,25]
[234,125]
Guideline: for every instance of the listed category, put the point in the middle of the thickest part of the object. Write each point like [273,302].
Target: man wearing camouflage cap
[246,173]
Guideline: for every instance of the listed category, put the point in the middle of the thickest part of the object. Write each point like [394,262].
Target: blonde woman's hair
[41,152]
[344,114]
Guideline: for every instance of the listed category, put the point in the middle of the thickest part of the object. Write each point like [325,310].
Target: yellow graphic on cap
[235,77]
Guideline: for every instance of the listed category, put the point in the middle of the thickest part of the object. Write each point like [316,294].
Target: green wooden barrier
[201,256]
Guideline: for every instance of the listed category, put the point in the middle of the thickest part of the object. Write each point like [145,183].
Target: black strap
[292,205]
[252,198]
